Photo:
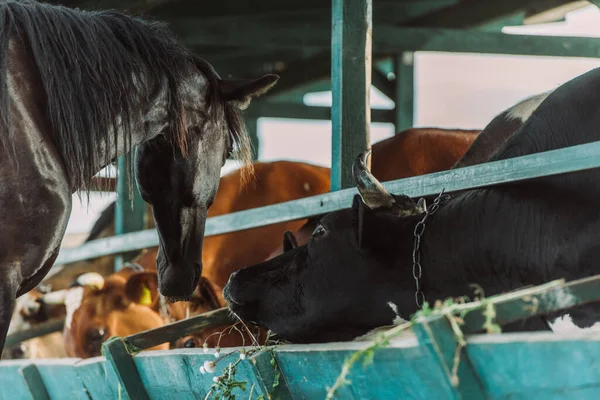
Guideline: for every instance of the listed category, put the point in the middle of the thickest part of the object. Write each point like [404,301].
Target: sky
[452,90]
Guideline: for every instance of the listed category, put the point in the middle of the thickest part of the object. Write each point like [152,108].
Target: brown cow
[121,304]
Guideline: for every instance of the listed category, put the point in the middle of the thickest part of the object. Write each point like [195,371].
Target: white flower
[202,370]
[215,379]
[217,354]
[242,354]
[205,346]
[209,366]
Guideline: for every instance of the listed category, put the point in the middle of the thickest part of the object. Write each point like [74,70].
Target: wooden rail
[566,160]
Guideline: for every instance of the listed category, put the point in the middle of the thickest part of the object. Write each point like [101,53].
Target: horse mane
[98,70]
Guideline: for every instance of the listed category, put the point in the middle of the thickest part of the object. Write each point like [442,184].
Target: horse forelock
[86,61]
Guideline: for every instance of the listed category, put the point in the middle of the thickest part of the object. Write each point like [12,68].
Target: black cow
[358,266]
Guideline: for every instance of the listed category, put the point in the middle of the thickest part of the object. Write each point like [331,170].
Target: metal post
[405,86]
[350,86]
[127,219]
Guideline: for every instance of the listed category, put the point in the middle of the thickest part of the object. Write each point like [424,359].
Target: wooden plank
[130,211]
[404,93]
[286,110]
[252,127]
[402,370]
[100,379]
[439,338]
[33,380]
[175,374]
[271,376]
[537,366]
[539,300]
[282,110]
[388,39]
[42,329]
[178,329]
[60,378]
[117,355]
[350,86]
[575,158]
[12,384]
[470,13]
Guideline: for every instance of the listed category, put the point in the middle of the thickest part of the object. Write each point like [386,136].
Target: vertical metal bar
[405,89]
[351,29]
[252,127]
[130,214]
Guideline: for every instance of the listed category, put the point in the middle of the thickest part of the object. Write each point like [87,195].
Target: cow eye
[319,231]
[190,343]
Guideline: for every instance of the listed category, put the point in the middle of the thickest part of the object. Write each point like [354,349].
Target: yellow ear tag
[145,296]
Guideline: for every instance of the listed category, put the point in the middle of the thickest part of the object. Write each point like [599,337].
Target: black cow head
[347,280]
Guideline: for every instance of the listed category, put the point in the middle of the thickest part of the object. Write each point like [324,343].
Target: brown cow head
[121,304]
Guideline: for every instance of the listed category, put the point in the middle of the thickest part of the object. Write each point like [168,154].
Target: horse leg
[8,290]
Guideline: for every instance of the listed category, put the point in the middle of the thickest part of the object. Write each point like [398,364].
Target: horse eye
[319,231]
[190,343]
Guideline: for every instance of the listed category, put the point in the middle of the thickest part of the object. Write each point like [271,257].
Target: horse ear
[142,288]
[289,241]
[241,91]
[208,293]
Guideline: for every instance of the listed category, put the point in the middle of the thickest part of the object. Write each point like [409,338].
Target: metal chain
[419,229]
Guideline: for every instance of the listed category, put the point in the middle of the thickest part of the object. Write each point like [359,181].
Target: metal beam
[392,40]
[350,86]
[570,159]
[404,91]
[470,14]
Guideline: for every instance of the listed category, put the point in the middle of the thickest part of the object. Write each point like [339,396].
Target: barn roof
[293,37]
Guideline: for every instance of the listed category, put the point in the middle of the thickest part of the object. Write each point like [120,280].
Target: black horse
[79,89]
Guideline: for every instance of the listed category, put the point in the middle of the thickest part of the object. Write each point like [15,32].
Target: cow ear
[142,288]
[207,292]
[241,91]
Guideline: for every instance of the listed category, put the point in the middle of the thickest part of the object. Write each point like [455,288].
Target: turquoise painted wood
[404,98]
[119,358]
[12,385]
[130,211]
[538,366]
[351,33]
[61,379]
[403,371]
[175,374]
[100,379]
[554,162]
[516,366]
[33,379]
